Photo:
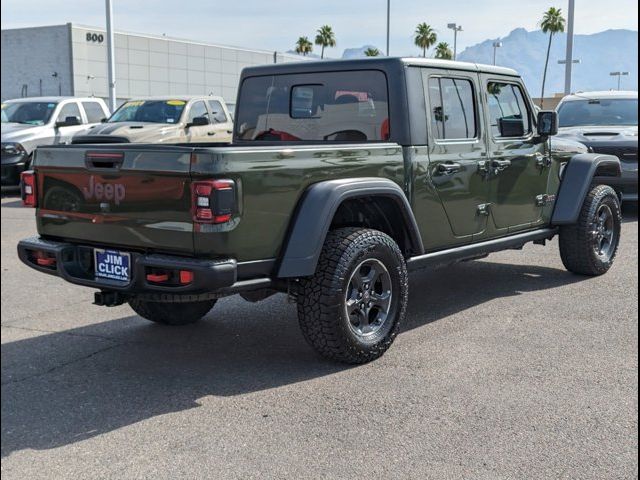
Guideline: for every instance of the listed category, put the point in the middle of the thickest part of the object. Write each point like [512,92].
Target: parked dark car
[606,122]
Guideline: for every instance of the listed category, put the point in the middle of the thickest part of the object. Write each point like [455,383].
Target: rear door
[136,197]
[519,166]
[457,150]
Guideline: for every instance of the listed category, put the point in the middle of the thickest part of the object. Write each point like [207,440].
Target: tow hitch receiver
[109,299]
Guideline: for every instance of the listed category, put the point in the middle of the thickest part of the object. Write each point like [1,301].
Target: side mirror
[68,122]
[547,123]
[198,122]
[103,120]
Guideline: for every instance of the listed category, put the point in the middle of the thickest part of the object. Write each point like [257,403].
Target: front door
[64,134]
[222,125]
[198,133]
[518,170]
[457,150]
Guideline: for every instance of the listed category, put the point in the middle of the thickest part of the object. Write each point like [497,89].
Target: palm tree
[304,46]
[443,51]
[372,52]
[425,37]
[325,38]
[552,22]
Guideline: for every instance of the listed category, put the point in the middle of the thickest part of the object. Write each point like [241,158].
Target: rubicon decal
[104,191]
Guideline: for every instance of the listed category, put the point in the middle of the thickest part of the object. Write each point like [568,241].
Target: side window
[508,112]
[94,112]
[69,110]
[217,112]
[453,109]
[198,109]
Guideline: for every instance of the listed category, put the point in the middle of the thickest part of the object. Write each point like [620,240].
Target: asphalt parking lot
[508,367]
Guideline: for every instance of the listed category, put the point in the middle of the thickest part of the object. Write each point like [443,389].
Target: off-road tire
[322,312]
[173,314]
[577,242]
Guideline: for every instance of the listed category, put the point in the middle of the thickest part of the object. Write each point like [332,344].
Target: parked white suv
[30,122]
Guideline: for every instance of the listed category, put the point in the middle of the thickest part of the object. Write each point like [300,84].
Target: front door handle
[500,165]
[449,168]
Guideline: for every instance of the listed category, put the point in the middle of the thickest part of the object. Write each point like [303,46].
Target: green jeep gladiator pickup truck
[342,177]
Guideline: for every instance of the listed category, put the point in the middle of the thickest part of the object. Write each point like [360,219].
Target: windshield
[29,113]
[581,113]
[152,111]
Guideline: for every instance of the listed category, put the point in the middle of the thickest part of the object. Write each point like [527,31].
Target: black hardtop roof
[381,63]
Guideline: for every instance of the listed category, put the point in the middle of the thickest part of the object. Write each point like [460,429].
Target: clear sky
[276,24]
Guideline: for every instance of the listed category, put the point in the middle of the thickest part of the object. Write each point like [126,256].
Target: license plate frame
[112,265]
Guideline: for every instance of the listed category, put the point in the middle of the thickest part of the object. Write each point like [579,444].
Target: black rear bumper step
[74,264]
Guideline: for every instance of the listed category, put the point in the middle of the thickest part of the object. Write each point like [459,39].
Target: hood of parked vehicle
[598,133]
[136,132]
[26,135]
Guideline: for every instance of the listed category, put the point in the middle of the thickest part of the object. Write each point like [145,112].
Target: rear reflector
[186,277]
[158,277]
[44,259]
[28,188]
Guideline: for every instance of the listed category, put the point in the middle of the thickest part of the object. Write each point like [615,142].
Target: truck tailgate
[131,197]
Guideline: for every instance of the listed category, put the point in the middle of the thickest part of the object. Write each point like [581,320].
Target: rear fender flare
[316,211]
[576,182]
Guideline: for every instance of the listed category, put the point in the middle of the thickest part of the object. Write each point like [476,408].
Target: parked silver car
[30,122]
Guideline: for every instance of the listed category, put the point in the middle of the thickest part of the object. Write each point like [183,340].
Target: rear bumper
[12,167]
[75,265]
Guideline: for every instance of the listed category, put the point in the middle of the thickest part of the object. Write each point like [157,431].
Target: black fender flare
[315,212]
[577,180]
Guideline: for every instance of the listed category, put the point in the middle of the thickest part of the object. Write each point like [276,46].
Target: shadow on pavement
[629,212]
[62,388]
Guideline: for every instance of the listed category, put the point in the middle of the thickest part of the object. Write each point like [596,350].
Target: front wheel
[174,314]
[590,246]
[351,309]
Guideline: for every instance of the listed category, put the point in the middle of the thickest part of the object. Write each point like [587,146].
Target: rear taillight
[28,188]
[213,201]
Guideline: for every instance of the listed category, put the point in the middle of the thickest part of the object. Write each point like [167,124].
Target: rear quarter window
[321,107]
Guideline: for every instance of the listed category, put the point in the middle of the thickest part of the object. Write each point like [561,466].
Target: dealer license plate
[112,265]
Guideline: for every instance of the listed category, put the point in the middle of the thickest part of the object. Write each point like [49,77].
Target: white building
[72,60]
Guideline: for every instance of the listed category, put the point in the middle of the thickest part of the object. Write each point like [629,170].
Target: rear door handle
[211,134]
[449,168]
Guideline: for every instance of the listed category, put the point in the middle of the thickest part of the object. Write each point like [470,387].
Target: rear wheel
[350,310]
[171,313]
[590,246]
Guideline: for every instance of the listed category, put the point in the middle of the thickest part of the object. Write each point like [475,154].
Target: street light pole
[456,28]
[496,45]
[569,57]
[111,61]
[388,25]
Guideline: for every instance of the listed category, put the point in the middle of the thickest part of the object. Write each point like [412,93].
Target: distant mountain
[358,52]
[600,54]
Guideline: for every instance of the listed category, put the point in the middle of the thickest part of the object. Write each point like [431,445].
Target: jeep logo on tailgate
[104,191]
